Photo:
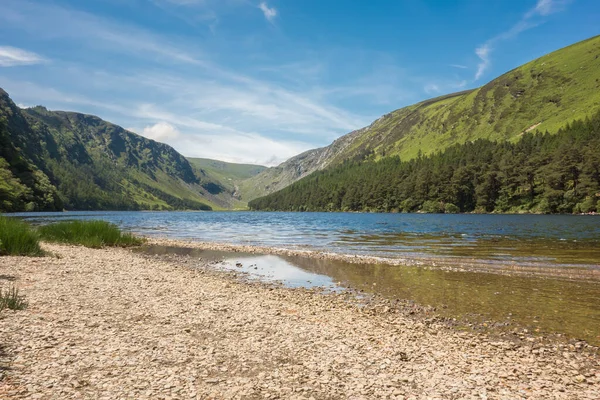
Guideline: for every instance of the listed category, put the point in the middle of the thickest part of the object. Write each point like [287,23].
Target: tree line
[541,173]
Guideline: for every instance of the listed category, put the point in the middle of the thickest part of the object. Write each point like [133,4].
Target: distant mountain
[272,179]
[227,178]
[540,173]
[50,160]
[226,170]
[541,95]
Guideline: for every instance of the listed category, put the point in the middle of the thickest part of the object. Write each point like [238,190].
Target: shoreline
[574,272]
[112,323]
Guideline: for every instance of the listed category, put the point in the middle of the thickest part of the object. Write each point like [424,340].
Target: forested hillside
[543,94]
[542,172]
[50,160]
[23,186]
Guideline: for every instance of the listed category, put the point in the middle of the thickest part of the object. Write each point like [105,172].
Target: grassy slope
[86,153]
[227,171]
[230,177]
[545,93]
[142,160]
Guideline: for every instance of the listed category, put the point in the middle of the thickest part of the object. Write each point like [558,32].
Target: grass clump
[18,239]
[11,299]
[94,234]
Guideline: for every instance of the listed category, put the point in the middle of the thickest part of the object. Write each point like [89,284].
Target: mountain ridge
[544,93]
[52,160]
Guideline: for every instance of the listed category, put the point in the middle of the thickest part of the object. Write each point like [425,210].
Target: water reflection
[550,305]
[264,267]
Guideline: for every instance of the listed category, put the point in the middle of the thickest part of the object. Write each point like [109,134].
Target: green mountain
[227,171]
[541,173]
[23,186]
[226,179]
[50,160]
[541,95]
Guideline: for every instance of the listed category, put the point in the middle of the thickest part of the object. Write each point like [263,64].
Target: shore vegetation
[17,238]
[94,234]
[11,299]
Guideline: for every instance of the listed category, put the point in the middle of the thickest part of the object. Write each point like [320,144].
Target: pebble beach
[114,324]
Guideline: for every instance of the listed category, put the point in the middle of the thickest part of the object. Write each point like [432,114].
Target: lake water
[524,239]
[561,243]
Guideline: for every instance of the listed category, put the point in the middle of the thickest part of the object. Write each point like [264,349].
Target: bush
[409,205]
[94,234]
[11,299]
[586,206]
[432,207]
[450,208]
[18,239]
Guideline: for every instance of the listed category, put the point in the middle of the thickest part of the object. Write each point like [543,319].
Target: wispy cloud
[97,33]
[183,91]
[458,66]
[439,86]
[529,20]
[547,7]
[432,88]
[269,12]
[12,56]
[483,53]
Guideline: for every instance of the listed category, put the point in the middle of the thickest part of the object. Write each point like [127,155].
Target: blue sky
[260,81]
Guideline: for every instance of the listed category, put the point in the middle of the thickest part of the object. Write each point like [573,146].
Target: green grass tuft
[18,239]
[11,299]
[94,234]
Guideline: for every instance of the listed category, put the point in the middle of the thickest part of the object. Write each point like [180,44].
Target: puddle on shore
[264,267]
[537,303]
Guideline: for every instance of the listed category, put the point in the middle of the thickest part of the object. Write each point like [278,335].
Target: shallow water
[558,240]
[264,267]
[538,304]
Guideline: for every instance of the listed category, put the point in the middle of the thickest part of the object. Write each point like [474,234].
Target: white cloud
[67,25]
[166,88]
[431,88]
[31,93]
[547,7]
[439,86]
[459,84]
[12,56]
[259,103]
[240,148]
[269,12]
[483,53]
[529,20]
[458,66]
[544,7]
[161,131]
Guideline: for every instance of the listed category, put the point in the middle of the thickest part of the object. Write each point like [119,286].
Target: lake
[564,304]
[560,240]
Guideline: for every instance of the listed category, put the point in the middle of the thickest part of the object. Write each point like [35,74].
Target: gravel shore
[112,324]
